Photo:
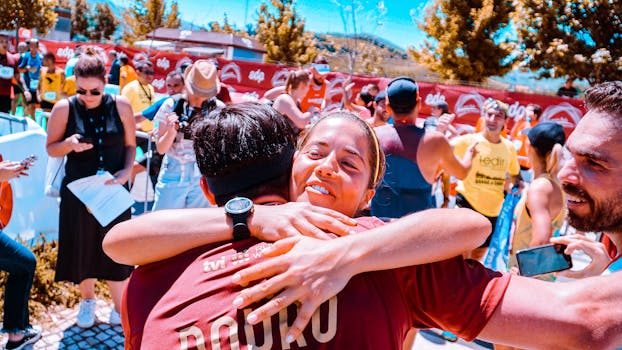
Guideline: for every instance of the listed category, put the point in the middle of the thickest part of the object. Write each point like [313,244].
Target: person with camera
[20,263]
[178,181]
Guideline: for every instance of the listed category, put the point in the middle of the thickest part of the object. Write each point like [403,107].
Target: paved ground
[62,332]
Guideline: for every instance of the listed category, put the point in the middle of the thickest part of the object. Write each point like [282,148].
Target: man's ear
[208,194]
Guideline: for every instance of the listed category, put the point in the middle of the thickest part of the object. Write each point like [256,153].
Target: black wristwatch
[239,210]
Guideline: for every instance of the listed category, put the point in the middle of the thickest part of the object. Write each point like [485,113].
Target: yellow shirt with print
[51,84]
[70,86]
[483,186]
[140,97]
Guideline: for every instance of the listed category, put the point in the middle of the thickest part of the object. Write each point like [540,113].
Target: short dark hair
[605,97]
[244,149]
[124,59]
[537,109]
[175,73]
[142,64]
[443,106]
[50,56]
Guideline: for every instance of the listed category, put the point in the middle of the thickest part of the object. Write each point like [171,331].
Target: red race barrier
[250,80]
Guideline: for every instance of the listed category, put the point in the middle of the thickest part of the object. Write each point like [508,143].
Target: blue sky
[392,21]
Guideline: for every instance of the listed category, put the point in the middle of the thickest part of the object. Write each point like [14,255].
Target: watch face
[238,205]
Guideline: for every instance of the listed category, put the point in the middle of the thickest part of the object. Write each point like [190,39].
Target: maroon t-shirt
[186,302]
[7,60]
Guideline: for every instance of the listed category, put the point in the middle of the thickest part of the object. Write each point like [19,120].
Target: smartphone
[29,161]
[84,139]
[543,259]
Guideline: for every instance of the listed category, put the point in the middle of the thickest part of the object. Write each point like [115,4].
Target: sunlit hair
[90,65]
[495,105]
[605,97]
[295,78]
[553,159]
[376,154]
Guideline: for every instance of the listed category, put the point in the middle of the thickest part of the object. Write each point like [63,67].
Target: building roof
[206,38]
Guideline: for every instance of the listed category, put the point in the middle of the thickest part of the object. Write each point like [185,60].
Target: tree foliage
[371,54]
[468,39]
[283,34]
[226,27]
[37,14]
[80,19]
[104,22]
[144,16]
[580,38]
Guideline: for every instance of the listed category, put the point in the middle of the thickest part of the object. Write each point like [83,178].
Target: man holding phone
[591,178]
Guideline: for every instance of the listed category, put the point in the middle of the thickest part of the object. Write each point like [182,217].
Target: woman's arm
[167,126]
[129,131]
[156,236]
[457,167]
[286,105]
[56,145]
[312,271]
[538,202]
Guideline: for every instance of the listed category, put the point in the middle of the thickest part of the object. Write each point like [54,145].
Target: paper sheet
[106,202]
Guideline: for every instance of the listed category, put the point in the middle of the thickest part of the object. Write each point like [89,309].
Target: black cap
[380,96]
[545,135]
[402,93]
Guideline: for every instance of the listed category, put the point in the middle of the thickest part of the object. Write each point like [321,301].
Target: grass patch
[47,294]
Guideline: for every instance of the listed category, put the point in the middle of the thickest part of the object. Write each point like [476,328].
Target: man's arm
[311,271]
[164,234]
[583,314]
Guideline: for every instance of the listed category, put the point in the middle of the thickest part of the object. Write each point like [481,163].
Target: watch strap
[240,231]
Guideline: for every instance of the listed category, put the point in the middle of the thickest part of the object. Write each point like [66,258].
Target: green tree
[467,39]
[172,19]
[37,14]
[144,16]
[579,38]
[80,14]
[104,22]
[283,34]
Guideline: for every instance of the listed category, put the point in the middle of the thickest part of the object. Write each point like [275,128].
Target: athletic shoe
[31,335]
[449,336]
[86,315]
[115,318]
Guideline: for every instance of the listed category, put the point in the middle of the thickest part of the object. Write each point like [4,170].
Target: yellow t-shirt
[140,97]
[70,86]
[483,186]
[127,74]
[51,84]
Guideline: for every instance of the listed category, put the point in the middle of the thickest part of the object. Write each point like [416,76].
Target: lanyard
[149,96]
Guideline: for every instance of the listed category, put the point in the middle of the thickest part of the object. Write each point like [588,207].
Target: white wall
[33,212]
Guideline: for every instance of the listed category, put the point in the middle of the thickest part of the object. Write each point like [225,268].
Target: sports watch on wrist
[239,210]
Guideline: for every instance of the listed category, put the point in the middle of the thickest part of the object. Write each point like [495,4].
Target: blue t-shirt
[150,112]
[71,63]
[33,62]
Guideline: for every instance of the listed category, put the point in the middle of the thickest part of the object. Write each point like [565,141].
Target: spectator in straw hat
[178,182]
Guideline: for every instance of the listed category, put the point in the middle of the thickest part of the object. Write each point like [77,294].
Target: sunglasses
[148,72]
[93,92]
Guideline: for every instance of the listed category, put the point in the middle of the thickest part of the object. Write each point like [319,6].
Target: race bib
[49,96]
[6,72]
[33,84]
